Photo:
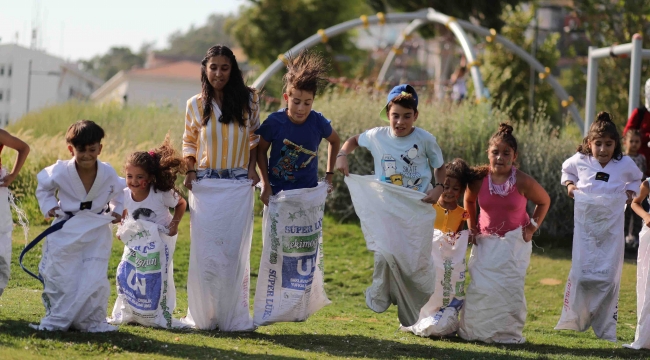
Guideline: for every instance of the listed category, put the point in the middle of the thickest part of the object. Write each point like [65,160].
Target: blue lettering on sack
[142,291]
[298,272]
[270,291]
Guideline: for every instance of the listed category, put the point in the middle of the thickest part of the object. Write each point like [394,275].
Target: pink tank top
[500,214]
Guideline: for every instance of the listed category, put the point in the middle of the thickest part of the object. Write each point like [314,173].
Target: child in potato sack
[150,193]
[600,180]
[633,222]
[450,217]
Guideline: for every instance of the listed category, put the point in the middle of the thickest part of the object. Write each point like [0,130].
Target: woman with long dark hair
[219,147]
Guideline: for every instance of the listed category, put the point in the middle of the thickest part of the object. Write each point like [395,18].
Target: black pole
[29,80]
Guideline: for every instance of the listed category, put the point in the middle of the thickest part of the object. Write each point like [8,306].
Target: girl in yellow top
[449,216]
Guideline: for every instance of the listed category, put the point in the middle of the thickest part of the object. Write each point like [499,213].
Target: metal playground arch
[418,19]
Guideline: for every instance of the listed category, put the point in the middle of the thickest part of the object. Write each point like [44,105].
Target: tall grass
[461,130]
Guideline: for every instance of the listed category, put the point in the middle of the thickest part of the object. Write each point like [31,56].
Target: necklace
[503,189]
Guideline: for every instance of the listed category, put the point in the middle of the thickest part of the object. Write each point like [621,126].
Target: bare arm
[534,192]
[23,150]
[433,194]
[471,194]
[179,211]
[638,200]
[263,164]
[252,172]
[332,150]
[341,159]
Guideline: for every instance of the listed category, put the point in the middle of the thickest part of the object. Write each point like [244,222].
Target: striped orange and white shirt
[217,145]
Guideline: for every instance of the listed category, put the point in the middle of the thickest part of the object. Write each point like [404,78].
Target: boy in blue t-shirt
[403,153]
[294,133]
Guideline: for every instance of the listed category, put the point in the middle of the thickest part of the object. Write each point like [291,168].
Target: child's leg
[378,297]
[629,223]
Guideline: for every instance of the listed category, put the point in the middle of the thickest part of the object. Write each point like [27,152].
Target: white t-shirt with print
[405,161]
[154,208]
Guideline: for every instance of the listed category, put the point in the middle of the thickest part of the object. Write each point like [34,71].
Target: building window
[9,71]
[2,70]
[0,95]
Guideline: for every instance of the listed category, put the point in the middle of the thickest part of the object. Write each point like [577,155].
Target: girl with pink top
[495,305]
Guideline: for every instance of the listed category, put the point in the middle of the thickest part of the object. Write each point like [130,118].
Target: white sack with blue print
[290,282]
[146,294]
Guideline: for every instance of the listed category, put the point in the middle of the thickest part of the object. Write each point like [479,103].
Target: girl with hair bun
[600,180]
[495,305]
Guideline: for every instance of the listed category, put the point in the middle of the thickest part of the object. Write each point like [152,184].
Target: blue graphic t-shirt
[405,161]
[293,162]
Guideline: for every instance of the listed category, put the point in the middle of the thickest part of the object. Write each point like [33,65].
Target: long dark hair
[162,163]
[603,126]
[236,95]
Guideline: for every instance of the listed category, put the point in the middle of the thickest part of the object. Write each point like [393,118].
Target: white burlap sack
[221,229]
[145,277]
[591,293]
[6,227]
[74,267]
[398,228]
[495,304]
[642,335]
[439,317]
[290,282]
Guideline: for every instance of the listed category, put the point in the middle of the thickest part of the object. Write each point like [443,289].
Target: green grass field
[344,329]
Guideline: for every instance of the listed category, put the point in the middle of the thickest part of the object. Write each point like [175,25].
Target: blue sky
[80,29]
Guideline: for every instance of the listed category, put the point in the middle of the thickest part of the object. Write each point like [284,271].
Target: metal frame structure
[418,19]
[635,49]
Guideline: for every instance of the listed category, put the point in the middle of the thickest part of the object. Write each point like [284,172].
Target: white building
[32,79]
[167,84]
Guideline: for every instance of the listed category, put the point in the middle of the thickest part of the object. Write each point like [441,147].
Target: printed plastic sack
[6,227]
[398,228]
[290,282]
[495,304]
[145,276]
[439,317]
[642,335]
[591,293]
[221,228]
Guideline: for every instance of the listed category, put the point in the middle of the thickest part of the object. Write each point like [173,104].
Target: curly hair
[305,72]
[459,170]
[236,95]
[162,163]
[602,127]
[632,132]
[503,134]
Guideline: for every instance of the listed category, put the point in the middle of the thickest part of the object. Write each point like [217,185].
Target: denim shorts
[234,174]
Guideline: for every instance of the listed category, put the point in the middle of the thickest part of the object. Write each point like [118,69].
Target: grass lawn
[344,329]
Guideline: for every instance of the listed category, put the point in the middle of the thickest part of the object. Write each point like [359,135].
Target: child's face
[86,156]
[401,120]
[501,157]
[299,105]
[137,179]
[602,148]
[218,71]
[632,143]
[451,190]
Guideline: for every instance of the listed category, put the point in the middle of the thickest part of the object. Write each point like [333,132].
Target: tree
[268,28]
[606,23]
[115,60]
[196,41]
[507,76]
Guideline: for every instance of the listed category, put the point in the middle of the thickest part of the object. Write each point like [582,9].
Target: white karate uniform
[74,265]
[593,285]
[583,170]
